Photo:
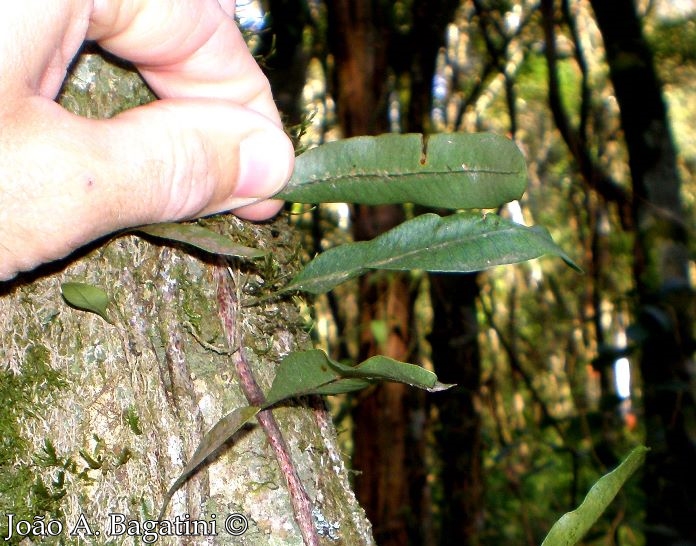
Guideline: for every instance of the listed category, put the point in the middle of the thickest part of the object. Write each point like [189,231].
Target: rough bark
[661,263]
[100,418]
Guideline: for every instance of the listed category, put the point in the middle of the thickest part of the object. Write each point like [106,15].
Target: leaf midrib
[376,265]
[444,244]
[447,173]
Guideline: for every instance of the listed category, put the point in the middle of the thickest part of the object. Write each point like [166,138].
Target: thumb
[205,156]
[166,161]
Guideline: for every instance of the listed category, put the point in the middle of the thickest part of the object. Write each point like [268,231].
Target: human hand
[213,142]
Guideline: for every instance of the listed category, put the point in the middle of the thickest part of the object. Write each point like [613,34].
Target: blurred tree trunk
[661,277]
[456,358]
[286,55]
[374,44]
[99,418]
[359,38]
[454,337]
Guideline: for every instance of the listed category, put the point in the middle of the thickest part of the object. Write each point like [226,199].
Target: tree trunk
[387,455]
[287,55]
[372,43]
[456,358]
[454,338]
[99,418]
[661,276]
[384,453]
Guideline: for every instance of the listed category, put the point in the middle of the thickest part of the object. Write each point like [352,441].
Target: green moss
[132,419]
[101,89]
[198,311]
[24,396]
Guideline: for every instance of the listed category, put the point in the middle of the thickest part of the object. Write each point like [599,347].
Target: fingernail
[265,164]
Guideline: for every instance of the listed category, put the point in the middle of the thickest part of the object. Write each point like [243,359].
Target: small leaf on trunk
[201,238]
[86,297]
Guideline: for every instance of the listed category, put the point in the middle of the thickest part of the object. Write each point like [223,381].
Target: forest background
[558,375]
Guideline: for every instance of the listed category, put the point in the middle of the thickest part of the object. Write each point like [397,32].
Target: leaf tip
[570,263]
[438,387]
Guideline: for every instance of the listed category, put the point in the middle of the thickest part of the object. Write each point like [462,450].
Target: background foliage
[536,350]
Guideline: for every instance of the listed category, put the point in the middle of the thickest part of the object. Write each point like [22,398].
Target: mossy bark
[100,418]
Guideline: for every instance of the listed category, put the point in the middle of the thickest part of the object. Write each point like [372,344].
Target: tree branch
[516,366]
[575,140]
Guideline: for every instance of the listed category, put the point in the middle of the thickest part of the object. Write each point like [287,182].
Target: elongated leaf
[454,171]
[572,526]
[221,432]
[383,368]
[86,297]
[301,373]
[200,237]
[457,243]
[313,372]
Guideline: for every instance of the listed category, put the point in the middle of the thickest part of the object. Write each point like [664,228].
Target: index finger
[184,48]
[37,42]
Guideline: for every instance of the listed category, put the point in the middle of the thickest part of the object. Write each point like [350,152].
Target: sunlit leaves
[454,171]
[458,243]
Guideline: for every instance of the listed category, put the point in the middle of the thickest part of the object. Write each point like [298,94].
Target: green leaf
[573,525]
[383,368]
[454,171]
[201,238]
[221,432]
[301,373]
[86,297]
[458,243]
[313,372]
[342,386]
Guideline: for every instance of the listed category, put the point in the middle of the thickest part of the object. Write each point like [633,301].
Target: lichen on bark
[102,417]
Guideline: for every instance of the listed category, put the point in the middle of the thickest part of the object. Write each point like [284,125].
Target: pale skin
[213,141]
